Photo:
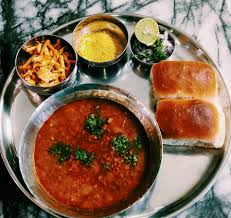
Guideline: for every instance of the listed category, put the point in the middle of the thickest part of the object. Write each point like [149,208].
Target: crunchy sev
[48,66]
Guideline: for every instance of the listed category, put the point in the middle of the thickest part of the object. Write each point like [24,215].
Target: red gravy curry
[106,177]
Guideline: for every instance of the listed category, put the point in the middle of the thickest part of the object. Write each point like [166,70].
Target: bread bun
[183,79]
[191,122]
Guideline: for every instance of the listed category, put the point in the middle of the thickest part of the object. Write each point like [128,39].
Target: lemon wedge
[147,31]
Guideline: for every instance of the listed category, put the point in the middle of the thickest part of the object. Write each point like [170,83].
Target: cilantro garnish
[131,159]
[84,157]
[62,150]
[121,144]
[126,149]
[94,124]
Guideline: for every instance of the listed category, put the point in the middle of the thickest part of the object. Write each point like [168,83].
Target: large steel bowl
[154,148]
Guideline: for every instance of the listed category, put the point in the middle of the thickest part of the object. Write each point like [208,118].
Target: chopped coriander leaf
[106,166]
[62,150]
[121,144]
[84,157]
[137,143]
[160,53]
[94,125]
[152,53]
[131,159]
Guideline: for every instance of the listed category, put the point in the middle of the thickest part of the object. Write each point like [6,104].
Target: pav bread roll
[183,79]
[194,122]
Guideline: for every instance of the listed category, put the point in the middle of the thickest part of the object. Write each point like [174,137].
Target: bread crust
[195,119]
[183,79]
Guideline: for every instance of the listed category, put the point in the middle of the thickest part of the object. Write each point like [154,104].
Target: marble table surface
[208,21]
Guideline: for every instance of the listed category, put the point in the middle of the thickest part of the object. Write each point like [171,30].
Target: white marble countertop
[209,22]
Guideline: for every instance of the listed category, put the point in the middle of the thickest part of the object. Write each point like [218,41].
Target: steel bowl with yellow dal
[100,40]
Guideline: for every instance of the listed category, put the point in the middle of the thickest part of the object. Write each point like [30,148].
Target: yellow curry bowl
[100,40]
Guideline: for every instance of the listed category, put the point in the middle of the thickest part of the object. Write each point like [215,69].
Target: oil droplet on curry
[90,154]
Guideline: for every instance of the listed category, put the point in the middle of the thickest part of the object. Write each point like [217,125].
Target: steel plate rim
[221,164]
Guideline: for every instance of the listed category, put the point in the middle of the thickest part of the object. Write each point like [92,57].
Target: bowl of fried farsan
[46,64]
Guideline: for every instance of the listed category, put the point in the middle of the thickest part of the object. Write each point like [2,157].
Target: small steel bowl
[97,23]
[154,148]
[162,29]
[22,56]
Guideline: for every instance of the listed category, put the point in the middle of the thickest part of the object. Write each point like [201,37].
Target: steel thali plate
[186,174]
